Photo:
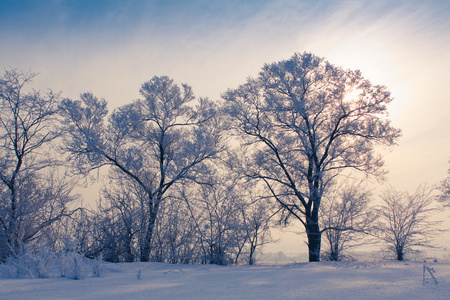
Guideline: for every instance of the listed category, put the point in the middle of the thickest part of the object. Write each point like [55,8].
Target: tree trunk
[251,259]
[400,254]
[129,257]
[334,251]
[314,240]
[146,243]
[312,223]
[13,239]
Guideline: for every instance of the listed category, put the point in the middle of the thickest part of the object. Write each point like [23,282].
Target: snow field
[325,280]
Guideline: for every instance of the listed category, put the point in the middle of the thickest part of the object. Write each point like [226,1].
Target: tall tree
[157,141]
[305,120]
[32,195]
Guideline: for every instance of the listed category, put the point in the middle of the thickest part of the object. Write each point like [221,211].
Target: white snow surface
[324,280]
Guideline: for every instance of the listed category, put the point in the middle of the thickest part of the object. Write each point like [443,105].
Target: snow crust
[325,280]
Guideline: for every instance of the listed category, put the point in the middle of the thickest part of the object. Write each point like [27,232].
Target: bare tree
[176,239]
[216,211]
[34,196]
[406,221]
[257,217]
[256,210]
[157,141]
[346,218]
[445,190]
[121,215]
[304,120]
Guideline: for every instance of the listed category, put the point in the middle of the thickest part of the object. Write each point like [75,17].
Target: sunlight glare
[351,97]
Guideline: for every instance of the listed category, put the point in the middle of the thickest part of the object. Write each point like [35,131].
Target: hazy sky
[111,47]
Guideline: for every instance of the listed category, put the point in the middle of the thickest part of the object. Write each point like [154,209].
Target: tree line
[190,180]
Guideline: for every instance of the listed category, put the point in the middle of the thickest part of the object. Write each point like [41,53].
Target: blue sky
[111,47]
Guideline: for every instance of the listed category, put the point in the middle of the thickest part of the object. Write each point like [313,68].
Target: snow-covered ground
[325,280]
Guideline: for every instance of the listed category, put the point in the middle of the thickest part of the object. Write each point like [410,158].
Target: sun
[351,96]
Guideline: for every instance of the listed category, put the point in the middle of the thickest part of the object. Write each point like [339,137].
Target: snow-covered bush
[97,266]
[73,265]
[43,263]
[29,264]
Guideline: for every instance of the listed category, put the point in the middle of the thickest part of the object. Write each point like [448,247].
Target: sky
[111,47]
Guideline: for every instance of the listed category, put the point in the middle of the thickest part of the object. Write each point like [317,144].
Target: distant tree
[257,217]
[80,231]
[215,208]
[346,218]
[256,210]
[445,190]
[406,221]
[303,121]
[157,142]
[34,195]
[121,215]
[175,239]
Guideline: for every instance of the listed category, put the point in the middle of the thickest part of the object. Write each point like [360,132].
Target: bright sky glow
[352,96]
[111,47]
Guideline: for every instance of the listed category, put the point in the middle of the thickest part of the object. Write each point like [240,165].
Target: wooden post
[430,270]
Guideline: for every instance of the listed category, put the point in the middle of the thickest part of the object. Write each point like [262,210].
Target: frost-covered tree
[304,120]
[405,221]
[176,239]
[157,141]
[230,221]
[445,190]
[120,218]
[346,218]
[34,195]
[215,208]
[257,221]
